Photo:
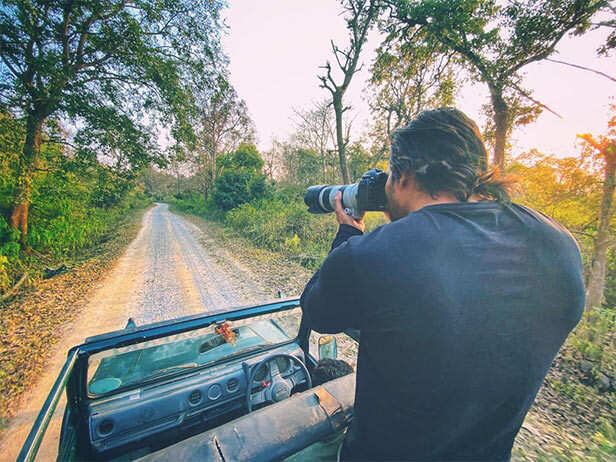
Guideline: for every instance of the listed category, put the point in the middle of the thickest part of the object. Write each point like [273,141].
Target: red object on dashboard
[227,334]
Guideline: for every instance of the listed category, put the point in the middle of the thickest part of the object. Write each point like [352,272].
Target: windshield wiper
[171,369]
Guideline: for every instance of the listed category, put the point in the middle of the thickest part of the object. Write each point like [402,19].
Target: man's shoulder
[542,222]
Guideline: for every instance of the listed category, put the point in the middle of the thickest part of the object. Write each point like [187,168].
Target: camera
[368,194]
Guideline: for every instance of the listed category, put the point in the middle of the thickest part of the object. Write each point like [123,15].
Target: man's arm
[329,301]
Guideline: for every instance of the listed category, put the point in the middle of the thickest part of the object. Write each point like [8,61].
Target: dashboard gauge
[261,373]
[283,364]
[214,392]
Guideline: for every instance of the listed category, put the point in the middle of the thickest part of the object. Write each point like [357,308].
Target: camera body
[368,194]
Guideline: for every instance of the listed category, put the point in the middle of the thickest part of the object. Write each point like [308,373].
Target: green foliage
[9,241]
[69,214]
[193,202]
[247,157]
[283,224]
[303,166]
[241,180]
[110,189]
[74,206]
[9,253]
[359,160]
[232,189]
[406,80]
[104,62]
[610,281]
[495,41]
[595,339]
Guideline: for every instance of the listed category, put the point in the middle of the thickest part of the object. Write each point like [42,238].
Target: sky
[276,47]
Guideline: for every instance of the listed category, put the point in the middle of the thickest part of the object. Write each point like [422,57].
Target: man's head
[439,155]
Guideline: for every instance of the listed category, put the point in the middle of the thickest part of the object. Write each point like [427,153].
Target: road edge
[53,314]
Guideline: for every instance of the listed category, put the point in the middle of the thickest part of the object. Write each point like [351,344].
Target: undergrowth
[278,222]
[575,415]
[62,228]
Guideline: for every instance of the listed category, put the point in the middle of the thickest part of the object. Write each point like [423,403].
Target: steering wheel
[278,387]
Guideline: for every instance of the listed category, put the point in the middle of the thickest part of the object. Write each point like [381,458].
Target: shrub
[9,241]
[236,187]
[282,223]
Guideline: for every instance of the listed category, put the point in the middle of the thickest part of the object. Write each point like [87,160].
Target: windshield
[119,368]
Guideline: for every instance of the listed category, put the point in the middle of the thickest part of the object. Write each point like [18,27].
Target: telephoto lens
[368,194]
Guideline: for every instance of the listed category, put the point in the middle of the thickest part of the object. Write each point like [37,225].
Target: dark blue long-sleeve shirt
[462,307]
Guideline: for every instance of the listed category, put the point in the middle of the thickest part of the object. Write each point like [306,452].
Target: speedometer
[283,364]
[260,375]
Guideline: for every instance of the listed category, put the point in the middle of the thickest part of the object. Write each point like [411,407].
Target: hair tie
[422,170]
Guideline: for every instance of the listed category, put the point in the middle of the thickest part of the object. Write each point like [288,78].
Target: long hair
[444,151]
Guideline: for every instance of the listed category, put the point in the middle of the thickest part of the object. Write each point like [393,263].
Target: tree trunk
[596,279]
[340,141]
[212,170]
[25,173]
[499,106]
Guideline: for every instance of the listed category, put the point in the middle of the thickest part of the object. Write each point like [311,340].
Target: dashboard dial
[214,392]
[283,364]
[261,373]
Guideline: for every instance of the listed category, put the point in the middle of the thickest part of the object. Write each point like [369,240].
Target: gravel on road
[174,267]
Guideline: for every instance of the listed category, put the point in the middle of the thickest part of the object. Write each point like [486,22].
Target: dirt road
[172,268]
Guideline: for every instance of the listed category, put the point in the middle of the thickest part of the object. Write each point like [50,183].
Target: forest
[107,107]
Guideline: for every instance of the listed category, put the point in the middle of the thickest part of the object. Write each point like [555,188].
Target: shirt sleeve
[329,301]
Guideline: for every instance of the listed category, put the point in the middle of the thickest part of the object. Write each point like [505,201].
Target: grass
[279,223]
[572,419]
[30,323]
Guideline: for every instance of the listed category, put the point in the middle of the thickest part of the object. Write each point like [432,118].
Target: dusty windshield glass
[123,367]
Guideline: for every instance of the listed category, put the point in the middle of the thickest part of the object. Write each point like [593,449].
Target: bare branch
[538,103]
[584,68]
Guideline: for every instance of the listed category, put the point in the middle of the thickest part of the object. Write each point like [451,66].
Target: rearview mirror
[328,347]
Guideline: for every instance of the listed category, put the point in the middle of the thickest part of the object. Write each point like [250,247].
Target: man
[463,301]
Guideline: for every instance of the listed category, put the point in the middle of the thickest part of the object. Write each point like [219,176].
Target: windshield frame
[132,336]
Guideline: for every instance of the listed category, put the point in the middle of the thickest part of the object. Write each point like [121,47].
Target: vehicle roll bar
[32,443]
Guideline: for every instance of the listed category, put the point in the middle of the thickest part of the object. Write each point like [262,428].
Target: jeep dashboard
[141,389]
[188,380]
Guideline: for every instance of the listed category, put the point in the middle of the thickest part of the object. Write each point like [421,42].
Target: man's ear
[407,180]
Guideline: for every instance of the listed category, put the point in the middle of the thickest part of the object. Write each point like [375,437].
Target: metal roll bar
[31,446]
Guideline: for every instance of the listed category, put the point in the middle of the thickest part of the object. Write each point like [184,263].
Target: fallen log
[11,292]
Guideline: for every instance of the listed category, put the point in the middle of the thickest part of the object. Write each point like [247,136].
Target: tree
[315,131]
[272,161]
[360,160]
[495,41]
[223,123]
[361,15]
[300,163]
[406,80]
[566,189]
[102,64]
[240,180]
[609,23]
[602,150]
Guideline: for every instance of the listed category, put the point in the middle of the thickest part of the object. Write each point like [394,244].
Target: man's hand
[345,219]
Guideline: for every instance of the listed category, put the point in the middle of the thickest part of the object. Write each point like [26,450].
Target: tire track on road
[166,272]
